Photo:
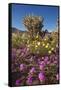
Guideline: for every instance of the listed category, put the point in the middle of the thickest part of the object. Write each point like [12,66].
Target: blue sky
[49,14]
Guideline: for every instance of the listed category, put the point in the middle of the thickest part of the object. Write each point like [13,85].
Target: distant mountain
[42,34]
[15,30]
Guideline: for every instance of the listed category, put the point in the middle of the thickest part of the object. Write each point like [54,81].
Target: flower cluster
[34,61]
[34,68]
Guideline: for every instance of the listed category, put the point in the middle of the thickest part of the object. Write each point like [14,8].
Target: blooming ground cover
[35,61]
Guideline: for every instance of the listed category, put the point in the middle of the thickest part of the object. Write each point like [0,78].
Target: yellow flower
[52,48]
[49,52]
[28,45]
[36,36]
[43,44]
[36,46]
[46,46]
[45,39]
[38,43]
[47,43]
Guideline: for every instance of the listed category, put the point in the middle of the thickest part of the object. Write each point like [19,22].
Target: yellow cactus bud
[49,52]
[43,44]
[47,43]
[38,43]
[45,39]
[46,46]
[36,36]
[52,48]
[36,46]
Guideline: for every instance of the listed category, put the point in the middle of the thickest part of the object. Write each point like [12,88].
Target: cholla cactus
[33,24]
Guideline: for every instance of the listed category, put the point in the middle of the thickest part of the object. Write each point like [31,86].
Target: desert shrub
[38,44]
